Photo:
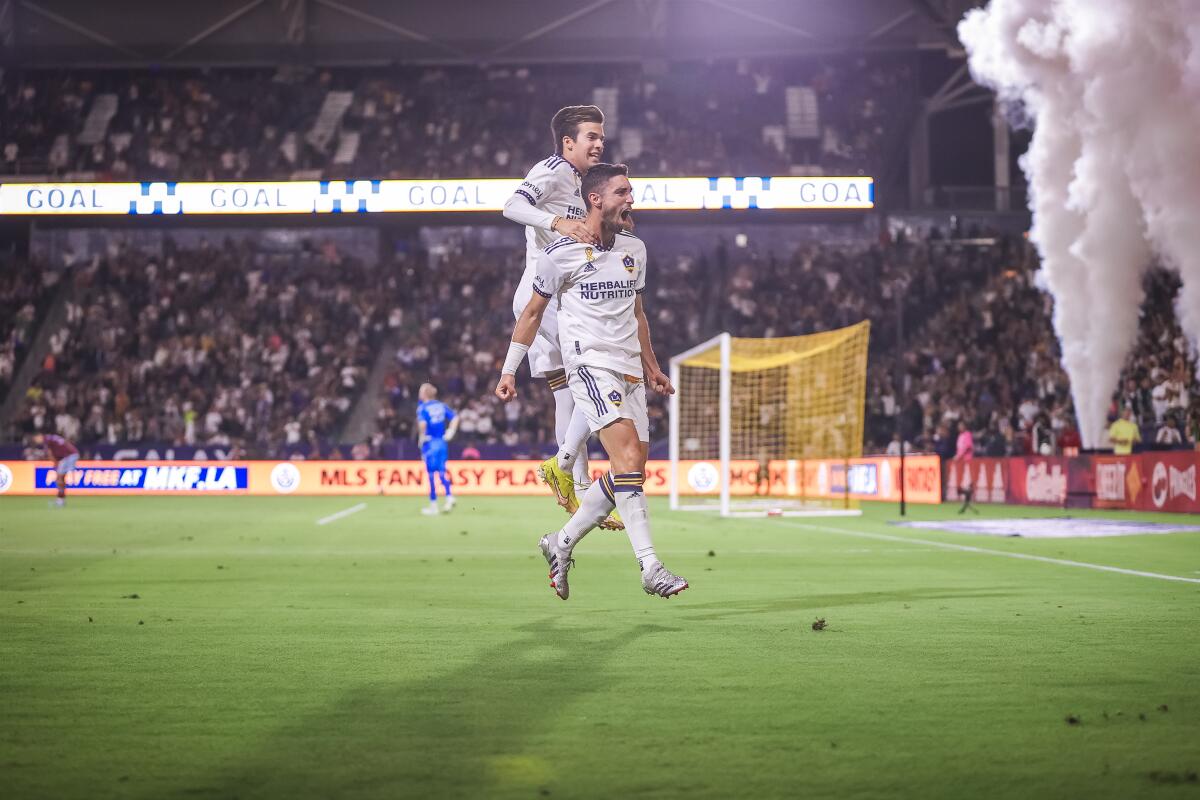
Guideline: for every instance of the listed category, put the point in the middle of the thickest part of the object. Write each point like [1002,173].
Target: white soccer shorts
[606,396]
[544,354]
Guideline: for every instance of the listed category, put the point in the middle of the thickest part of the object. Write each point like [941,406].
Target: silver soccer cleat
[560,564]
[662,582]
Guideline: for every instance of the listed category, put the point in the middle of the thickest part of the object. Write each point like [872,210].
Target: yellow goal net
[768,426]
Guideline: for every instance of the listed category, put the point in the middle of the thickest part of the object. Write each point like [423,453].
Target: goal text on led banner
[384,196]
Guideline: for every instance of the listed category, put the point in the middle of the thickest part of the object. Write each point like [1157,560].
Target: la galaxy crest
[628,262]
[615,397]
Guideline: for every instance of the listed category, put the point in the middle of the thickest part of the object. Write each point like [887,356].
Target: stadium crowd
[214,346]
[267,356]
[982,355]
[989,362]
[26,289]
[696,118]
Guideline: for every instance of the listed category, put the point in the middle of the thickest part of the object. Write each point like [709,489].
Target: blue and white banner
[160,478]
[377,196]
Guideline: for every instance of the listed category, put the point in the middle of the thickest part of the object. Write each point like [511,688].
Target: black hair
[567,120]
[597,177]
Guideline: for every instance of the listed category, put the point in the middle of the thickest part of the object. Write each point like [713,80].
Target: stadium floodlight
[768,426]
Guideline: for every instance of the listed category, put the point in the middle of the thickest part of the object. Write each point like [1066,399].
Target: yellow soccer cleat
[612,522]
[562,484]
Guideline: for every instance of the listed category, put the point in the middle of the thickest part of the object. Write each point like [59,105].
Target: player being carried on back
[433,433]
[549,205]
[64,454]
[605,338]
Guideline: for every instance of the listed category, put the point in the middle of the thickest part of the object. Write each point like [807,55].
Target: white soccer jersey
[596,290]
[553,187]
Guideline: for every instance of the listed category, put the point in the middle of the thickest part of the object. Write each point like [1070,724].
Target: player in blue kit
[437,424]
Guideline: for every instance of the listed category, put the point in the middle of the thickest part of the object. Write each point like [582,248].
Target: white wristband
[516,353]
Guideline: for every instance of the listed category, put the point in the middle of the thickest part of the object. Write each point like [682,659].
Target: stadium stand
[990,360]
[223,346]
[212,345]
[835,114]
[26,289]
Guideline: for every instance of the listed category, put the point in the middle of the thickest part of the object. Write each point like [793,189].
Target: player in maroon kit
[64,454]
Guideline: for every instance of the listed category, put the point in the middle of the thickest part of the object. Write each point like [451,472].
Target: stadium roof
[46,33]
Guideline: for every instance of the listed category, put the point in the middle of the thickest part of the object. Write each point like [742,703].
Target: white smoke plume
[1112,88]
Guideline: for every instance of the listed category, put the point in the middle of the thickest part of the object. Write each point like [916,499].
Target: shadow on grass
[818,602]
[460,734]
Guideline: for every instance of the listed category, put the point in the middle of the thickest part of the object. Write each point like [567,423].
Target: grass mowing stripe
[339,515]
[966,548]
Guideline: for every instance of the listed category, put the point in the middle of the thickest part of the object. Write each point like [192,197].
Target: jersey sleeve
[549,277]
[448,411]
[537,186]
[640,286]
[423,414]
[525,204]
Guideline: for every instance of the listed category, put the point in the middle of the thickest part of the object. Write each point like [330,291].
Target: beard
[623,220]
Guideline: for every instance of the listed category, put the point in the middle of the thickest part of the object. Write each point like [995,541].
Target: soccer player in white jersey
[549,205]
[605,339]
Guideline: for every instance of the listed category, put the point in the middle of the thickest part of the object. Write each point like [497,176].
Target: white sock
[594,506]
[574,440]
[573,447]
[631,502]
[581,470]
[564,405]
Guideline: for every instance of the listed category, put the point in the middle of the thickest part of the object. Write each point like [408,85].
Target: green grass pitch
[202,647]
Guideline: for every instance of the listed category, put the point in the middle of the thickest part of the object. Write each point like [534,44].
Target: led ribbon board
[379,196]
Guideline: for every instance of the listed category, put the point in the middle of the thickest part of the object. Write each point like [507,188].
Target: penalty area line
[343,513]
[966,548]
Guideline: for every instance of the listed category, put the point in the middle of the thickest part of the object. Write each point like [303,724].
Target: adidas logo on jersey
[589,267]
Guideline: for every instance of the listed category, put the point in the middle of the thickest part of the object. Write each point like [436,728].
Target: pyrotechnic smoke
[1113,90]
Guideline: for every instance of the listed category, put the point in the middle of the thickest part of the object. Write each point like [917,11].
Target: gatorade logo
[703,477]
[285,477]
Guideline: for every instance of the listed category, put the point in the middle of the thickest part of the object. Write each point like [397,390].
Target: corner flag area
[317,647]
